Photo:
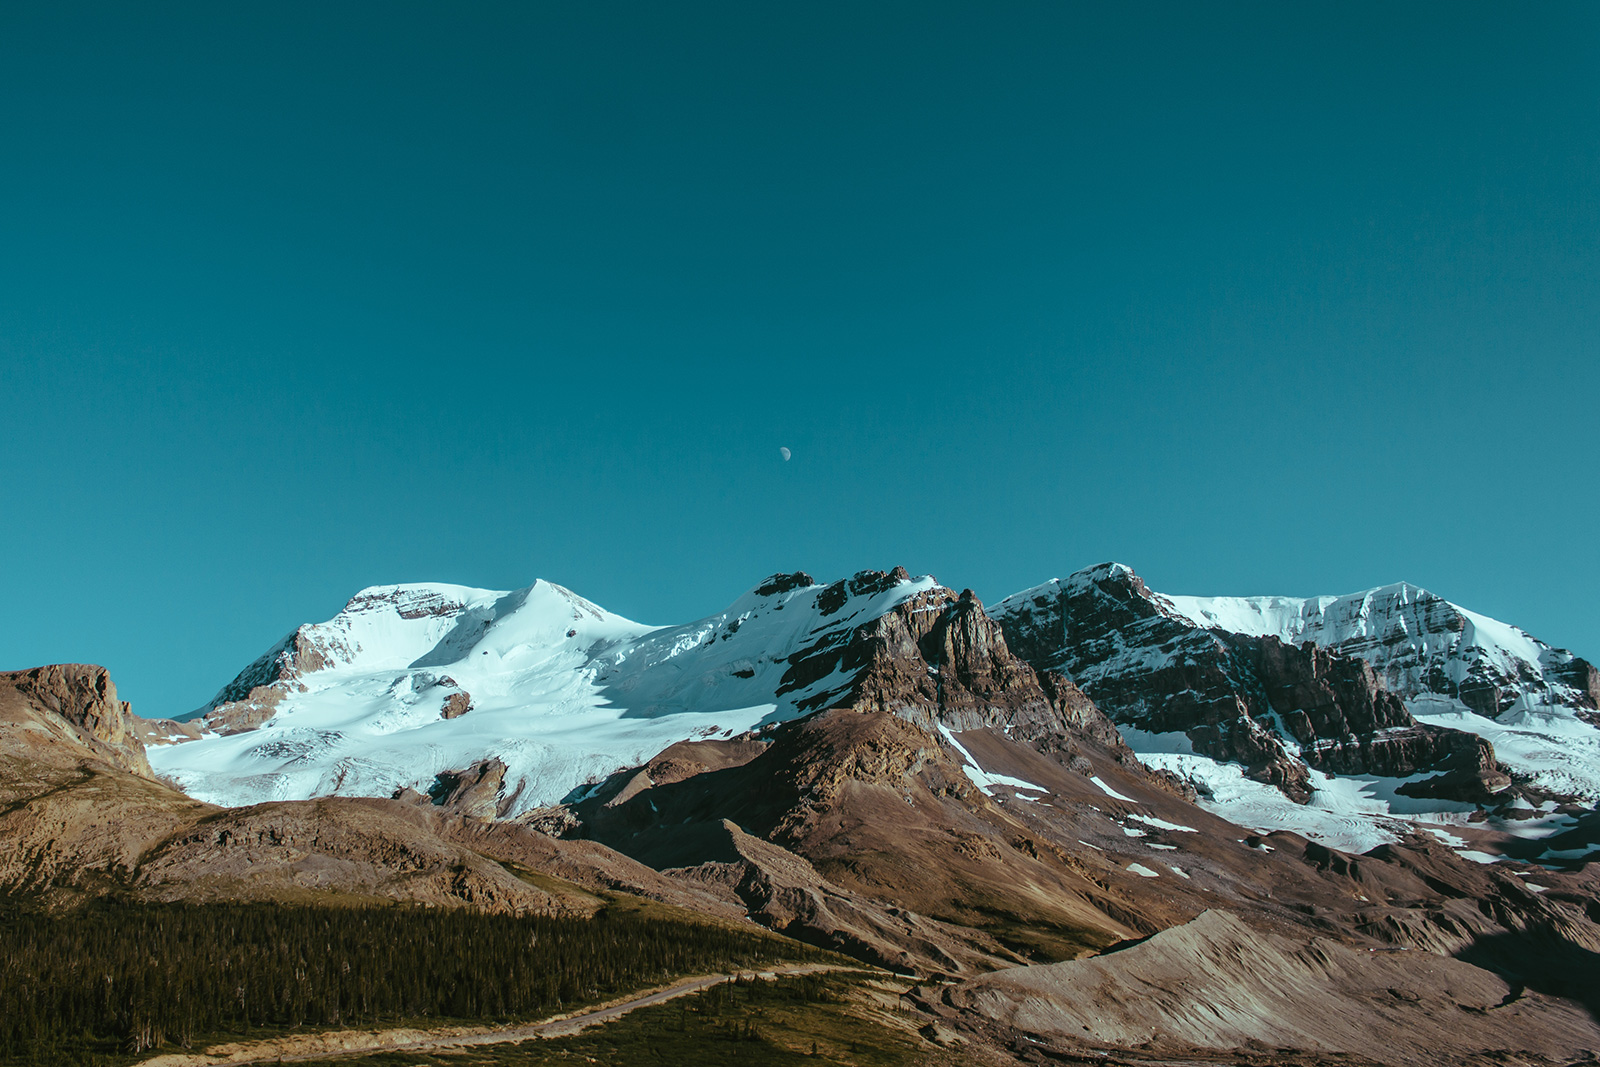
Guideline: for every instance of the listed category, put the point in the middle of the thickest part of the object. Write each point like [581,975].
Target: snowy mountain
[411,685]
[1359,696]
[1423,645]
[1350,719]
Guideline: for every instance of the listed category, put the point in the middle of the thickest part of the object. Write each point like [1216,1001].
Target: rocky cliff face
[1277,708]
[935,659]
[79,703]
[1422,645]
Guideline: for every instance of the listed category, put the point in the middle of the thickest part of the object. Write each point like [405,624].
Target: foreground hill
[81,816]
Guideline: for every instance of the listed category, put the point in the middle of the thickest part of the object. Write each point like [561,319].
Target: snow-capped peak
[407,681]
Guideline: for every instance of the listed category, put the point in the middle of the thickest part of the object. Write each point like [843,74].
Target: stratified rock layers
[1277,708]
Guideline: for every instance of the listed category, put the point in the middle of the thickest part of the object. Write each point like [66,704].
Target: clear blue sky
[295,299]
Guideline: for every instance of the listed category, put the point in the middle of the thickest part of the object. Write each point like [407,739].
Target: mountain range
[1340,716]
[1367,819]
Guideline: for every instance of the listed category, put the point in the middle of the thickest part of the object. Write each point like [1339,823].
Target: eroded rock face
[476,791]
[83,698]
[1345,721]
[1256,700]
[856,830]
[935,659]
[456,705]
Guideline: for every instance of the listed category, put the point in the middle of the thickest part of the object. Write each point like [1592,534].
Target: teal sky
[298,298]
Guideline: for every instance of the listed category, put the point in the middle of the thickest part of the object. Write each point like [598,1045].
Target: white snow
[1448,838]
[562,691]
[1142,871]
[986,780]
[1477,856]
[1108,791]
[1151,820]
[1344,814]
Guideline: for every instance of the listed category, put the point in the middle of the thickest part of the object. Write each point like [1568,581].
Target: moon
[785,453]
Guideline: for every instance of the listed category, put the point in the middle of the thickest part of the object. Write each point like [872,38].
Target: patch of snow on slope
[981,778]
[1162,824]
[1108,791]
[1338,815]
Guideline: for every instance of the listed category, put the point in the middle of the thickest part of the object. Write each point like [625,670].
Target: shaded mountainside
[1277,708]
[1421,644]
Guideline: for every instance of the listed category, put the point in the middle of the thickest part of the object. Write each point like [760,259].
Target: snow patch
[983,779]
[1108,791]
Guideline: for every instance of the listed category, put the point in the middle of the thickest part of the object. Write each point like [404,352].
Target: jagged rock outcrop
[1345,721]
[1277,708]
[456,705]
[474,792]
[935,659]
[78,703]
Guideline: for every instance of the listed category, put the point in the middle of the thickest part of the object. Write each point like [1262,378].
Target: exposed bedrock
[81,702]
[1276,708]
[936,660]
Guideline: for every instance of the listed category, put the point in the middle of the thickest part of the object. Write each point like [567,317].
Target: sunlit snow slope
[413,680]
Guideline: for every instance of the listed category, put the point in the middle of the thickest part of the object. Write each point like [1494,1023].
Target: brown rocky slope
[81,816]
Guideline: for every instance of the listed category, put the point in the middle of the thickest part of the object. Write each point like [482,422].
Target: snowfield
[561,690]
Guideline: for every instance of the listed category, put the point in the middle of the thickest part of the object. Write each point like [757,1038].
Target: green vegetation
[112,980]
[806,1019]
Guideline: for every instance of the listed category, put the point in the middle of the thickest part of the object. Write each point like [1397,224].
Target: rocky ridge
[75,703]
[1277,708]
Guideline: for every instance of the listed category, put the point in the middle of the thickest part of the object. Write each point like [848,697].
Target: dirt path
[336,1043]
